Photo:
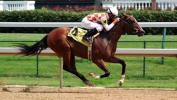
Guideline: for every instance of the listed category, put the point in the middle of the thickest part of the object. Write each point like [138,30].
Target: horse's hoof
[88,83]
[120,83]
[94,75]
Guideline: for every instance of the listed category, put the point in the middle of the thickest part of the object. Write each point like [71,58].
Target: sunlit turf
[152,41]
[157,75]
[21,70]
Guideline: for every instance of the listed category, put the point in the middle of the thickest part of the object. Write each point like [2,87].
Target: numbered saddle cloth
[77,34]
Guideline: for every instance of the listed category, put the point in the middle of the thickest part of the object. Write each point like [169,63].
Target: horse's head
[131,25]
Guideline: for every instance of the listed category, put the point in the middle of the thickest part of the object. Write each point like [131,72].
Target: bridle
[127,22]
[124,21]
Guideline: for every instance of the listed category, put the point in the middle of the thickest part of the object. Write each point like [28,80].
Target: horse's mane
[116,26]
[123,18]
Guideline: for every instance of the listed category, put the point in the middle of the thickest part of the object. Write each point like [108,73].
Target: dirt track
[46,93]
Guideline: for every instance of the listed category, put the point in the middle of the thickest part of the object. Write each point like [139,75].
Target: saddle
[77,34]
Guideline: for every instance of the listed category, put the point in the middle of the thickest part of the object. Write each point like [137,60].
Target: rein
[126,22]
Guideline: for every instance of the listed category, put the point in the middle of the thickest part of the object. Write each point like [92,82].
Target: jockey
[97,21]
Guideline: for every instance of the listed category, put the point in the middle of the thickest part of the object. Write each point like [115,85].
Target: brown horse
[103,47]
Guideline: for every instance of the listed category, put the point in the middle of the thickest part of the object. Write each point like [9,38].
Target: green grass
[130,38]
[22,70]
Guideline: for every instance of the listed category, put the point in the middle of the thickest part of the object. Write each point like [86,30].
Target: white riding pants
[91,25]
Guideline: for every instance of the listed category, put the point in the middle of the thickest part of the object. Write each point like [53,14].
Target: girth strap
[90,52]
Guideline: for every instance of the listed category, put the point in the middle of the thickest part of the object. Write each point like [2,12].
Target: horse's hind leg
[69,65]
[102,66]
[87,82]
[122,62]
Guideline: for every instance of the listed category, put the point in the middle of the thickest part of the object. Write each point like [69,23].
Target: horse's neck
[116,33]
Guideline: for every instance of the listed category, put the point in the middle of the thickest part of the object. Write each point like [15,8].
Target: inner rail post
[163,42]
[144,61]
[61,72]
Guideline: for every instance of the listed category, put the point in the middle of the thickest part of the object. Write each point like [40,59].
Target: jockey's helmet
[113,10]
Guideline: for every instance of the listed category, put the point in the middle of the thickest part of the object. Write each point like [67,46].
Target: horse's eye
[132,21]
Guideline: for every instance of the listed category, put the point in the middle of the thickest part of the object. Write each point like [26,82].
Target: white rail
[122,51]
[140,4]
[17,5]
[73,24]
[167,4]
[146,52]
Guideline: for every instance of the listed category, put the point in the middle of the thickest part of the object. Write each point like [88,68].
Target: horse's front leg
[122,62]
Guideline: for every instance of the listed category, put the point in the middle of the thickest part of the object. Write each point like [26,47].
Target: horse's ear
[125,16]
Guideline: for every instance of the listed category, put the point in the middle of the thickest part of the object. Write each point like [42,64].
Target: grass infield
[22,70]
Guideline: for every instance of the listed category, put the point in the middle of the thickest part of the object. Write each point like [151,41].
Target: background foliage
[44,15]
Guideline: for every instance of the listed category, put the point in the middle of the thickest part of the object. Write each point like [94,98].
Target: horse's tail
[35,48]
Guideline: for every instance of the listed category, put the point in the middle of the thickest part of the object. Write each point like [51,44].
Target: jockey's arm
[110,26]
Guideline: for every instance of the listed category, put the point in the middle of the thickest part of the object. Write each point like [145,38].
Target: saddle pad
[77,34]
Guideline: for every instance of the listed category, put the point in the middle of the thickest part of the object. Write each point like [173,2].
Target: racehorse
[103,47]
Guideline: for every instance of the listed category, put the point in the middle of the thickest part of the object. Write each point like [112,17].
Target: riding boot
[89,34]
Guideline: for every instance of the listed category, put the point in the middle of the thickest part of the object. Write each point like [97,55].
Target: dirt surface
[53,93]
